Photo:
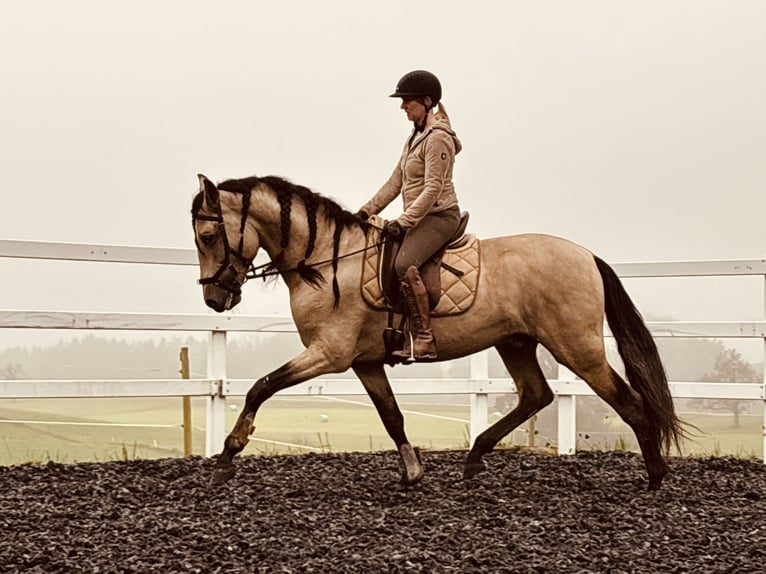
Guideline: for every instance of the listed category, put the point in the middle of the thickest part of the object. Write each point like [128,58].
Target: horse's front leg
[309,364]
[375,381]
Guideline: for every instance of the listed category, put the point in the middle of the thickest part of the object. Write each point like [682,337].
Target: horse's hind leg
[520,358]
[626,401]
[375,382]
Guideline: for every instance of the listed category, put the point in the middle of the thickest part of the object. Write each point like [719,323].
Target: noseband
[227,270]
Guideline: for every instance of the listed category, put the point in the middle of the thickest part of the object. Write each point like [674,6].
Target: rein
[261,271]
[266,269]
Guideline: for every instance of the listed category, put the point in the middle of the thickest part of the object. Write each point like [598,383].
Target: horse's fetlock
[235,444]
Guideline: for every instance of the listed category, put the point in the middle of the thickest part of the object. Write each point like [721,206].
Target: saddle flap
[451,277]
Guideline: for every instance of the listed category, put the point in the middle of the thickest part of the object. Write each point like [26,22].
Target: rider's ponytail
[442,114]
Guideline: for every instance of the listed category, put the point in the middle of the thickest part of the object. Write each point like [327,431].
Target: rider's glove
[394,229]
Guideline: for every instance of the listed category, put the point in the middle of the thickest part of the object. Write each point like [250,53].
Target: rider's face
[414,109]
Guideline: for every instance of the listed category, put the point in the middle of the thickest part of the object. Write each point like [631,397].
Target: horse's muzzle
[220,300]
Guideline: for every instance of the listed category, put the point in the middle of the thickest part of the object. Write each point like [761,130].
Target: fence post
[763,402]
[532,428]
[215,422]
[763,388]
[479,401]
[186,402]
[567,415]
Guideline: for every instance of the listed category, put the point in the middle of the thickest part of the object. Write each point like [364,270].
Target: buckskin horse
[532,290]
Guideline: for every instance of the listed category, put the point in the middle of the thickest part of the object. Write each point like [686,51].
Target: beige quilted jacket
[423,176]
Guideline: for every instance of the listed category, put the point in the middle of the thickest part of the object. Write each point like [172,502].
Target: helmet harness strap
[419,127]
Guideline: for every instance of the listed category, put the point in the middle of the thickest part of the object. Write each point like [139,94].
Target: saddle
[451,276]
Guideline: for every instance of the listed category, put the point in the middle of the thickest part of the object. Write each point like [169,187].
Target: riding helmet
[418,84]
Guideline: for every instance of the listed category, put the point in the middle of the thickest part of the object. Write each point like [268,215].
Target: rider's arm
[386,194]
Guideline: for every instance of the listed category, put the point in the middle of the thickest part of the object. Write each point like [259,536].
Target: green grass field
[290,426]
[283,426]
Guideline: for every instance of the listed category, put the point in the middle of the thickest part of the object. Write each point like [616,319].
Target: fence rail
[217,386]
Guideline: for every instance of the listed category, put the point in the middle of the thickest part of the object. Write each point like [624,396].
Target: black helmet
[419,84]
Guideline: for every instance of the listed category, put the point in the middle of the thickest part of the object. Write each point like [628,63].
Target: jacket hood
[444,126]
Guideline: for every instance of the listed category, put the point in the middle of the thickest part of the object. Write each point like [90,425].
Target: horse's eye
[208,240]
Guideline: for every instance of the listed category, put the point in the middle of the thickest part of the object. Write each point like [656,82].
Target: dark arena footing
[330,513]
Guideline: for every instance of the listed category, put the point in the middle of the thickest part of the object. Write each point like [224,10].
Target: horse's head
[225,257]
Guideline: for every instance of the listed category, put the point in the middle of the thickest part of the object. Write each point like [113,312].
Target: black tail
[643,366]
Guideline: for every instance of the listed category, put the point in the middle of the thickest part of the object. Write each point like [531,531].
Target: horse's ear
[208,189]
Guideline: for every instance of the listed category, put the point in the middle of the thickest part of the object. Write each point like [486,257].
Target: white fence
[216,386]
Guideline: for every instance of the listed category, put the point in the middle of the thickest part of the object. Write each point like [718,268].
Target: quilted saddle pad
[458,291]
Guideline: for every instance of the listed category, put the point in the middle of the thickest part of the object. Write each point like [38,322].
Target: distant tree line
[253,355]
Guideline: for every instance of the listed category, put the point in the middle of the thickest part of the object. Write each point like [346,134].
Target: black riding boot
[423,346]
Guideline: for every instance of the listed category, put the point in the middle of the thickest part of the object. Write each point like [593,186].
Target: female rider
[423,177]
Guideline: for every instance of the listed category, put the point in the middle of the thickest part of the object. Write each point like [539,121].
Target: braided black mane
[315,204]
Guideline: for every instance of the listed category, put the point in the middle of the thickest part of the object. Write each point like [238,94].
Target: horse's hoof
[408,479]
[222,474]
[655,481]
[471,469]
[412,471]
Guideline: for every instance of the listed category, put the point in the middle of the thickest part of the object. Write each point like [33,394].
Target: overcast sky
[637,129]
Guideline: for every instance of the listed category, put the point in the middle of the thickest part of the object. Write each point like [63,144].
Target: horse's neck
[267,215]
[265,218]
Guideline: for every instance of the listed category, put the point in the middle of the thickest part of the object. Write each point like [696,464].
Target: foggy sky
[636,129]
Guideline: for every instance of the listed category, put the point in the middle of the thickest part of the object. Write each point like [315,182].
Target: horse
[533,289]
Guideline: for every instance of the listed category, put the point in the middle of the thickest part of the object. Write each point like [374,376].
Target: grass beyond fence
[108,429]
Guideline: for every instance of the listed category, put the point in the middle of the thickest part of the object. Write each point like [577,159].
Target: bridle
[234,285]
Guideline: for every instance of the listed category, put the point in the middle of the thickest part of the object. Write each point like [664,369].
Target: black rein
[261,271]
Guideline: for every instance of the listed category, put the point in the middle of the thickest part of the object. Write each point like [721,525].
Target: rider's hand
[393,229]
